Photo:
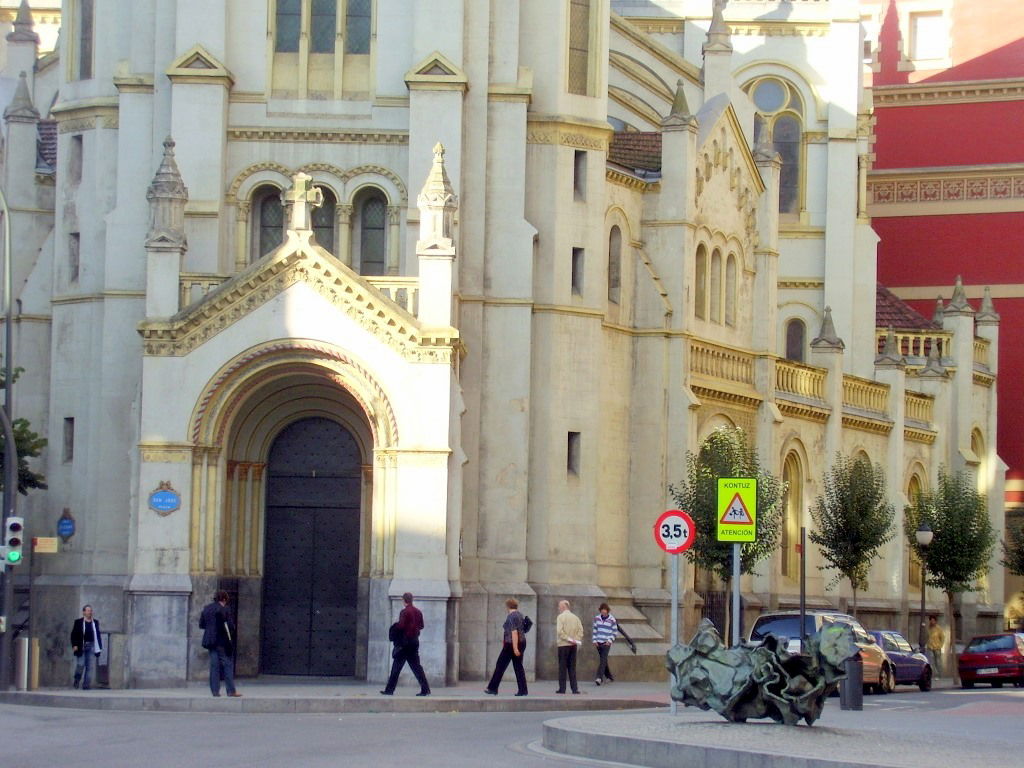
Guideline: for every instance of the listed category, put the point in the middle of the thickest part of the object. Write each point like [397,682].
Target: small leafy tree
[852,520]
[958,556]
[726,453]
[1013,551]
[28,445]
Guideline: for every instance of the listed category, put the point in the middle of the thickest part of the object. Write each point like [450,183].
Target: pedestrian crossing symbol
[736,513]
[737,509]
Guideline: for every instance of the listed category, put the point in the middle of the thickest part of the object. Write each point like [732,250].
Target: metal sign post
[737,523]
[674,532]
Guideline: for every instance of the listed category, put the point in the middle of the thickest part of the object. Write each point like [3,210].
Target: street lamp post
[924,535]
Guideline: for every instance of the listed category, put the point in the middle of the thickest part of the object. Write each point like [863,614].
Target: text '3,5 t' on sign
[674,531]
[737,509]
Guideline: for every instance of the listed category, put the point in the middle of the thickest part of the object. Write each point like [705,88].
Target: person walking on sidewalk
[87,645]
[569,634]
[219,640]
[604,631]
[513,646]
[407,647]
[933,647]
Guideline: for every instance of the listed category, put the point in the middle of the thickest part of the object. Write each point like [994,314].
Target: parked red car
[994,659]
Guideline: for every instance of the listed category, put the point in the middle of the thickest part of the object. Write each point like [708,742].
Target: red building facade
[946,186]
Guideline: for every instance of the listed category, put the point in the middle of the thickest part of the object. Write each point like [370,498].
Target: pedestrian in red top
[406,636]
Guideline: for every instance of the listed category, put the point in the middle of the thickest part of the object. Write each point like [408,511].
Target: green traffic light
[13,557]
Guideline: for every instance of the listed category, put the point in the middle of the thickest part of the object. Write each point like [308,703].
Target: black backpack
[527,624]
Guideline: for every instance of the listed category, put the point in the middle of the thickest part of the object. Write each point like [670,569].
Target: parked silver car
[878,669]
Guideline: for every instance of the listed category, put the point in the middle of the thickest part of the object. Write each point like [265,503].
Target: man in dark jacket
[219,640]
[407,648]
[86,644]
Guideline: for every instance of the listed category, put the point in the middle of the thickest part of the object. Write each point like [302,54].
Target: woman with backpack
[513,646]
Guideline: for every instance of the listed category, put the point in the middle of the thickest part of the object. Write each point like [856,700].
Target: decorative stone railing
[865,395]
[404,291]
[918,407]
[716,362]
[981,347]
[192,286]
[798,379]
[917,343]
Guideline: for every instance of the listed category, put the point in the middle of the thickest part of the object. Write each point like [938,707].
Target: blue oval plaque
[164,499]
[66,527]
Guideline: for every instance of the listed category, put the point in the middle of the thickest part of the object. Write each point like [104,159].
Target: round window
[769,95]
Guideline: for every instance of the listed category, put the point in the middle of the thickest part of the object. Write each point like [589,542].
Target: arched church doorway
[311,551]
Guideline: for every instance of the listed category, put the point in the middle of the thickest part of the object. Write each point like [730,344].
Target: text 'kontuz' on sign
[737,509]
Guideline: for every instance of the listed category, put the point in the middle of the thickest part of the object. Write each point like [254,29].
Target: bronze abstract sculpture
[760,681]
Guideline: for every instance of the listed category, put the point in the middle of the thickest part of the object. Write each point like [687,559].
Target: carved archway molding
[343,175]
[228,389]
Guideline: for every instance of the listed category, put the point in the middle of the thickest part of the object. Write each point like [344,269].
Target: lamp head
[924,534]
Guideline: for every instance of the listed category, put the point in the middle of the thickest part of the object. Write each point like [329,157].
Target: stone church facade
[436,297]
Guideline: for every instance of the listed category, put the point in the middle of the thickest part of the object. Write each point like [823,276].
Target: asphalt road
[33,737]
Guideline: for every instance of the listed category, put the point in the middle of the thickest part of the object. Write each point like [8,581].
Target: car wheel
[997,685]
[925,683]
[886,681]
[964,684]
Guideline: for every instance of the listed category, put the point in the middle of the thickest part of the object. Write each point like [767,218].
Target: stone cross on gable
[300,197]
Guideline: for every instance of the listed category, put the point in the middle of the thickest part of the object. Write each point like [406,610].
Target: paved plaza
[326,723]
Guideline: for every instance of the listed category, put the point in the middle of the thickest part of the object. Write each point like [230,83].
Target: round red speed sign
[674,532]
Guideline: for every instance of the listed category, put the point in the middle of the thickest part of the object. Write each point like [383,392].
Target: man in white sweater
[569,631]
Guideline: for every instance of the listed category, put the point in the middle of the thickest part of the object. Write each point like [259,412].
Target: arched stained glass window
[323,221]
[730,290]
[357,26]
[796,335]
[700,286]
[373,221]
[287,24]
[715,291]
[614,264]
[270,220]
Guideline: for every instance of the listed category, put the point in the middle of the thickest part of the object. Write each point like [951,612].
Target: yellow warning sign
[737,509]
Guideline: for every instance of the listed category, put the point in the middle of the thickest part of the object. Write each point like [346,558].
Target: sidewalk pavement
[275,694]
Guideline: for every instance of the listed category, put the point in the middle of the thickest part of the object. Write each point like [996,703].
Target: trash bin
[851,690]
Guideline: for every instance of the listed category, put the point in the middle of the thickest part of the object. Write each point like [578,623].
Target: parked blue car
[911,667]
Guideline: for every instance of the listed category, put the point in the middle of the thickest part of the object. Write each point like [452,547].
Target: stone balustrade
[403,291]
[981,352]
[193,286]
[792,378]
[918,407]
[717,362]
[865,395]
[917,343]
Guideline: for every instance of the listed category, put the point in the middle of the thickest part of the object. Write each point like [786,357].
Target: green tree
[1013,551]
[726,453]
[958,556]
[28,445]
[852,520]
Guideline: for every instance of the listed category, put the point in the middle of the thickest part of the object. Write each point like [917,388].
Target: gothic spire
[939,312]
[958,304]
[933,367]
[827,338]
[437,203]
[680,114]
[718,38]
[890,357]
[21,109]
[987,311]
[167,196]
[23,26]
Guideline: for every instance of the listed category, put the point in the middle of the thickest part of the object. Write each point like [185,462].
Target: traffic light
[14,538]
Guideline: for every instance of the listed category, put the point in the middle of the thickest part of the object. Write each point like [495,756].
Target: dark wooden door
[311,551]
